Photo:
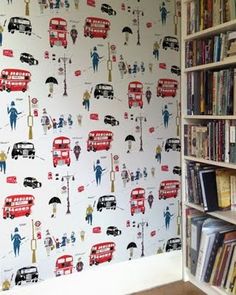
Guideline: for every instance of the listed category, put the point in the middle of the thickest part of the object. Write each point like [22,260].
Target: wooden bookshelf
[186,119]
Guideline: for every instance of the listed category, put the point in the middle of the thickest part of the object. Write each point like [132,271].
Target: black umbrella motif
[54,201]
[51,81]
[127,31]
[129,138]
[131,247]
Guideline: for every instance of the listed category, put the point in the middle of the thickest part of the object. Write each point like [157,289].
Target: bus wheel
[23,90]
[65,46]
[27,214]
[16,157]
[109,260]
[68,165]
[12,216]
[97,96]
[96,263]
[141,107]
[19,283]
[94,150]
[8,90]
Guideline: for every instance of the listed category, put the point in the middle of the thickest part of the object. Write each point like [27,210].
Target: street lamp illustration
[30,121]
[137,12]
[142,224]
[33,243]
[64,59]
[109,64]
[112,176]
[141,119]
[68,178]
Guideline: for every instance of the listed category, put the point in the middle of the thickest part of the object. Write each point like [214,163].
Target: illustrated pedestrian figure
[89,214]
[167,216]
[61,122]
[142,67]
[82,235]
[45,122]
[163,12]
[86,100]
[16,239]
[79,265]
[58,4]
[1,31]
[76,4]
[156,47]
[48,243]
[77,150]
[124,175]
[9,1]
[150,199]
[122,67]
[3,158]
[72,238]
[27,7]
[95,59]
[98,172]
[145,174]
[67,4]
[13,115]
[148,95]
[64,240]
[70,121]
[153,171]
[54,125]
[132,177]
[57,243]
[135,68]
[166,115]
[138,174]
[73,34]
[150,66]
[51,4]
[158,153]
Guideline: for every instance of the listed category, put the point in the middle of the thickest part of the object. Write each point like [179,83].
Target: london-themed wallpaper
[89,134]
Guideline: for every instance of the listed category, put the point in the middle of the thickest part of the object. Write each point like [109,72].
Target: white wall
[117,279]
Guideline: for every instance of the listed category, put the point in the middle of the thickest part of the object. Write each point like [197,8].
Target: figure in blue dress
[13,115]
[166,115]
[167,216]
[95,59]
[163,12]
[16,238]
[98,172]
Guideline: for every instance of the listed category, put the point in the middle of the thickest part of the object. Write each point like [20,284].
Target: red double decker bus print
[17,205]
[64,265]
[102,252]
[58,32]
[167,87]
[96,27]
[99,140]
[61,151]
[14,80]
[135,94]
[169,189]
[137,200]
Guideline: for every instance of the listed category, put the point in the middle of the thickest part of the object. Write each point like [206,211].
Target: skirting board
[116,279]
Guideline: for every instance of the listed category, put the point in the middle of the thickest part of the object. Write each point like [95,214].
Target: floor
[177,288]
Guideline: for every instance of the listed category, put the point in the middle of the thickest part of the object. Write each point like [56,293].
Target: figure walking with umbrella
[127,31]
[131,247]
[54,201]
[129,138]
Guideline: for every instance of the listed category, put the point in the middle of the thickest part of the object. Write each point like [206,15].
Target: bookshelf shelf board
[228,61]
[209,162]
[209,290]
[213,30]
[229,216]
[208,117]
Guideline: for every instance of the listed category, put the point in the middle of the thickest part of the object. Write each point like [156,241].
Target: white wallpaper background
[50,232]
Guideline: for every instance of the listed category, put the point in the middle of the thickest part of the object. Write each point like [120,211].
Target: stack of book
[211,187]
[211,250]
[215,141]
[216,94]
[204,14]
[211,49]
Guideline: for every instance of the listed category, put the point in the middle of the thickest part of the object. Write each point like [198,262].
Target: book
[196,230]
[233,192]
[231,269]
[218,241]
[223,188]
[209,190]
[232,143]
[209,229]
